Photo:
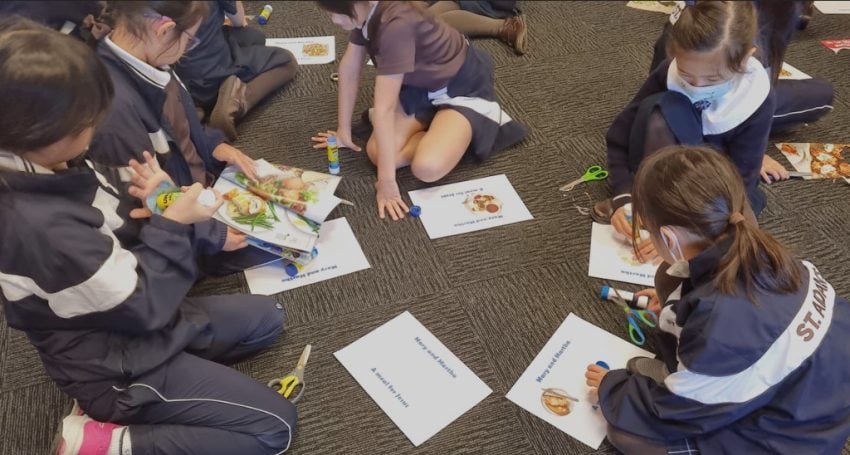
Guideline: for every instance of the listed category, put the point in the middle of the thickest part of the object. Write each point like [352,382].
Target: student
[152,111]
[434,95]
[711,90]
[797,101]
[758,349]
[113,326]
[232,69]
[485,18]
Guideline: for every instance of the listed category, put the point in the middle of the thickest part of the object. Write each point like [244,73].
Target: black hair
[343,7]
[52,86]
[133,14]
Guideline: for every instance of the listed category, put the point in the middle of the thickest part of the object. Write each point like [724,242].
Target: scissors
[287,384]
[635,316]
[594,172]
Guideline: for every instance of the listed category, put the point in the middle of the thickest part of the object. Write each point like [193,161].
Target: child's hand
[654,304]
[233,156]
[235,240]
[389,199]
[646,252]
[594,376]
[146,178]
[343,140]
[187,210]
[621,224]
[772,171]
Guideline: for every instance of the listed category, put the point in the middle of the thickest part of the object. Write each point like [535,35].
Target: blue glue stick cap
[603,364]
[291,269]
[415,211]
[604,294]
[315,252]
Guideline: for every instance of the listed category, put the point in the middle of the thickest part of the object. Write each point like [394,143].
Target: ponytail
[699,189]
[758,259]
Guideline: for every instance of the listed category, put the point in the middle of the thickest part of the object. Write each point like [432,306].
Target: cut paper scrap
[789,72]
[612,258]
[835,45]
[657,7]
[833,7]
[412,376]
[554,388]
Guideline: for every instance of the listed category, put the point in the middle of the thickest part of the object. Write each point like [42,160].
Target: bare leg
[471,24]
[443,6]
[442,146]
[408,131]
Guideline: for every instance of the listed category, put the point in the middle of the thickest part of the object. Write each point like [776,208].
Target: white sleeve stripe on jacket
[107,288]
[796,344]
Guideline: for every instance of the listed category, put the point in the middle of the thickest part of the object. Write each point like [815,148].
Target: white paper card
[833,7]
[789,72]
[469,206]
[612,258]
[560,368]
[654,6]
[339,254]
[309,50]
[412,377]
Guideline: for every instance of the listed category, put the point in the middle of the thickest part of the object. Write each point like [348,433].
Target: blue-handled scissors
[635,317]
[594,172]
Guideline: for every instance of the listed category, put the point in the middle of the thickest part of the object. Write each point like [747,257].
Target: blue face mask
[705,97]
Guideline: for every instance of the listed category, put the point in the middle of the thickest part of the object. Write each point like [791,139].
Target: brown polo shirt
[406,40]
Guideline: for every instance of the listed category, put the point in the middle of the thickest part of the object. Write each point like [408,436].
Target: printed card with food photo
[654,6]
[553,387]
[833,7]
[285,206]
[412,376]
[469,206]
[824,161]
[613,258]
[310,50]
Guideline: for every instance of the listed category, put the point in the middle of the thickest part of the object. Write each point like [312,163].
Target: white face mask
[704,97]
[680,268]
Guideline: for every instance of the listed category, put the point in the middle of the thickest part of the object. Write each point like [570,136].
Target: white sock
[120,443]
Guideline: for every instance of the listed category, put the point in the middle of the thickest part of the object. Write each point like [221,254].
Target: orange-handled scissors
[294,380]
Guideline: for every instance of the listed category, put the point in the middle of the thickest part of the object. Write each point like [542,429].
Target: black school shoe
[602,211]
[363,129]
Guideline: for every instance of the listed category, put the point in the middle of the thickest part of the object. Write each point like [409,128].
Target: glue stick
[166,194]
[333,156]
[263,17]
[609,293]
[293,268]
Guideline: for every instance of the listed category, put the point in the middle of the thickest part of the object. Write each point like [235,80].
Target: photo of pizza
[784,73]
[557,401]
[483,204]
[829,161]
[315,49]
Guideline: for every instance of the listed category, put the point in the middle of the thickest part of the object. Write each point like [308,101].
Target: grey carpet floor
[493,297]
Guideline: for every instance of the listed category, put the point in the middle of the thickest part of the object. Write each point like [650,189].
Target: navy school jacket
[769,377]
[135,124]
[93,309]
[743,138]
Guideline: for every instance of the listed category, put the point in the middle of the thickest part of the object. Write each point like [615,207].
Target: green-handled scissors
[594,172]
[634,316]
[295,379]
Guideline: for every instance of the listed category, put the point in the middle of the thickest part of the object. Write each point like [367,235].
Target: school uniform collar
[365,28]
[703,265]
[749,91]
[153,75]
[11,162]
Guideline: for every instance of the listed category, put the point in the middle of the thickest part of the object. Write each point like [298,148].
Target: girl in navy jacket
[153,111]
[711,91]
[112,324]
[756,343]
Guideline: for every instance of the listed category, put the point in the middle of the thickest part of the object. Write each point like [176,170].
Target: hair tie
[736,218]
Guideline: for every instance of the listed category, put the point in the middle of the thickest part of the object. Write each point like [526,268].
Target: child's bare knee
[372,150]
[428,170]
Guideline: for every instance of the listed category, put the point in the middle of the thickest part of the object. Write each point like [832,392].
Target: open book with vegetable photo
[282,210]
